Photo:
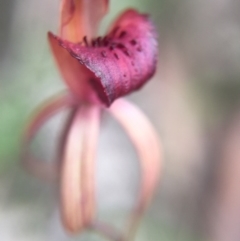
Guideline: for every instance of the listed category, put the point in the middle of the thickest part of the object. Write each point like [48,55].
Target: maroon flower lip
[122,61]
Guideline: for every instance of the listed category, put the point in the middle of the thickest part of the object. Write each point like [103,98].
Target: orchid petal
[122,61]
[77,176]
[49,108]
[147,145]
[80,18]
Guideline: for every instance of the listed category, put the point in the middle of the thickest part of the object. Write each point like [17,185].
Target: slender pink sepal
[146,142]
[39,168]
[121,62]
[78,169]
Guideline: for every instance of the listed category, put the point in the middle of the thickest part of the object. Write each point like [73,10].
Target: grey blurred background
[193,100]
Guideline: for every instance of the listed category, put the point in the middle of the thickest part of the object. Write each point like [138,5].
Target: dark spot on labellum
[85,40]
[105,42]
[132,63]
[127,53]
[94,43]
[122,34]
[139,49]
[112,46]
[120,46]
[116,56]
[104,54]
[133,42]
[124,75]
[99,41]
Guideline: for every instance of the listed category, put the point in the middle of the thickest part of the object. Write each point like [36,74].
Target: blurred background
[193,101]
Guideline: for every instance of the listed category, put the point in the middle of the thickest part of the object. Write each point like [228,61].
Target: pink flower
[97,70]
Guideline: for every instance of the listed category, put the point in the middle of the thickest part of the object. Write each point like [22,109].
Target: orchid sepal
[78,170]
[42,169]
[148,146]
[79,18]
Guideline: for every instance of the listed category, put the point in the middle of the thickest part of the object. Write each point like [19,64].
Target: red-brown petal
[81,18]
[148,147]
[121,62]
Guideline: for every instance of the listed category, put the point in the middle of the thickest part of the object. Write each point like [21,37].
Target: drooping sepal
[148,147]
[78,169]
[44,170]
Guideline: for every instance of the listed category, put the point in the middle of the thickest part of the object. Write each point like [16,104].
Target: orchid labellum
[97,70]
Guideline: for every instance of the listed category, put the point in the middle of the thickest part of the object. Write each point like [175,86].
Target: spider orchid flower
[97,71]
